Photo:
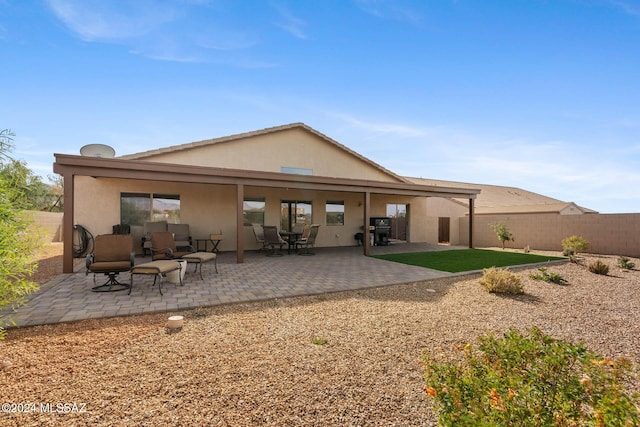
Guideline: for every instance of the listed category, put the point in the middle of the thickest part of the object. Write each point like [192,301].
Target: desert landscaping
[347,358]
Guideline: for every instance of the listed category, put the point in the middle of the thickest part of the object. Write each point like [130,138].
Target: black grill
[380,229]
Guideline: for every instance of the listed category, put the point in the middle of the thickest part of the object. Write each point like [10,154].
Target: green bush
[625,263]
[598,267]
[501,281]
[573,245]
[503,233]
[18,241]
[548,277]
[530,380]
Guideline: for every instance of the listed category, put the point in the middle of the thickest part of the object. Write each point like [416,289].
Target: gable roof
[238,137]
[497,199]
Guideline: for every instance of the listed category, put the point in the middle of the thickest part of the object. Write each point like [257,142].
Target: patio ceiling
[69,166]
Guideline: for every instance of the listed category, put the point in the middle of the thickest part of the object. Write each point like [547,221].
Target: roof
[238,137]
[497,199]
[70,165]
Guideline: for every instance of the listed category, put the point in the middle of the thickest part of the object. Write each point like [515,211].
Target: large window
[136,208]
[294,212]
[335,212]
[253,211]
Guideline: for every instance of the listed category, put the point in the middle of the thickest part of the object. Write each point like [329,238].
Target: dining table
[291,237]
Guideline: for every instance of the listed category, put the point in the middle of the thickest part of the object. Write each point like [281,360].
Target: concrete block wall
[612,234]
[50,223]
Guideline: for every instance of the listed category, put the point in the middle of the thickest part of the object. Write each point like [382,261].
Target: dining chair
[308,240]
[272,239]
[258,232]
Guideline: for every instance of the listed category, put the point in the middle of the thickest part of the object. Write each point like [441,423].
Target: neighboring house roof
[148,155]
[496,199]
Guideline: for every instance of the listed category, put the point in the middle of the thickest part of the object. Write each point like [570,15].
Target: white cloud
[626,6]
[290,23]
[596,179]
[112,20]
[390,9]
[185,31]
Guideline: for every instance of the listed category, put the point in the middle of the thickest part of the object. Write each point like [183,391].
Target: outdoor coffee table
[157,268]
[199,258]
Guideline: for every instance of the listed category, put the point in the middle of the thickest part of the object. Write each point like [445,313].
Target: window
[294,212]
[136,208]
[297,171]
[335,212]
[165,207]
[253,211]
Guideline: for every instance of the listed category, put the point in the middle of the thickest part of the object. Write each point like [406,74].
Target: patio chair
[149,228]
[298,227]
[258,232]
[272,239]
[112,254]
[163,246]
[308,239]
[181,235]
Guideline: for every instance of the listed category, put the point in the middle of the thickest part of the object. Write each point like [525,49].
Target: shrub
[573,245]
[501,281]
[625,263]
[548,277]
[530,380]
[599,267]
[504,235]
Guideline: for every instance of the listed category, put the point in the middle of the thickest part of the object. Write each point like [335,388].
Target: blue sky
[541,95]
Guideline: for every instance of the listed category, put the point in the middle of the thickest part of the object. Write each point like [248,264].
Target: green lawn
[455,261]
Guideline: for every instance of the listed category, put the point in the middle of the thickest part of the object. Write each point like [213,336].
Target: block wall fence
[608,234]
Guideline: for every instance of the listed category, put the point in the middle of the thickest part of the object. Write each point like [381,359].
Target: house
[275,176]
[493,201]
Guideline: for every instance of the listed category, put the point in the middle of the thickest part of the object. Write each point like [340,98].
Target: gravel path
[257,364]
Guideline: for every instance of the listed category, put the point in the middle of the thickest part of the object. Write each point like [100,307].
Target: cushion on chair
[156,267]
[112,247]
[109,266]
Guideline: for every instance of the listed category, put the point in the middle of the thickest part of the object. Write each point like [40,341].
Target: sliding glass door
[294,212]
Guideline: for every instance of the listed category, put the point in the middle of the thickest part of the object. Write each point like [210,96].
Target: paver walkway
[68,297]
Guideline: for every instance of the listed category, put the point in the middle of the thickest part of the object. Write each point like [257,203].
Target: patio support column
[67,224]
[471,223]
[240,223]
[366,240]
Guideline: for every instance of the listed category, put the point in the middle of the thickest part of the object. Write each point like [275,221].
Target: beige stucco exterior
[295,147]
[209,208]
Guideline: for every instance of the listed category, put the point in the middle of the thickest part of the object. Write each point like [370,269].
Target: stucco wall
[294,148]
[209,208]
[613,234]
[441,207]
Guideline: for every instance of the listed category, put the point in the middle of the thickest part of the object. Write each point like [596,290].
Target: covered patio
[236,184]
[68,297]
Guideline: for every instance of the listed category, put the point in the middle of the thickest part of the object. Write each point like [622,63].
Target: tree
[504,235]
[18,241]
[25,189]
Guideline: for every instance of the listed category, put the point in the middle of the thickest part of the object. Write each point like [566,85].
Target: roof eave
[145,170]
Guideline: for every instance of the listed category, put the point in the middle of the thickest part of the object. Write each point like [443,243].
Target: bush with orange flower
[530,380]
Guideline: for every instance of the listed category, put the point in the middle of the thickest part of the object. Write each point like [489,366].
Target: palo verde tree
[18,240]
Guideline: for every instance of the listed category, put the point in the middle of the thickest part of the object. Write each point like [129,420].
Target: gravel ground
[257,364]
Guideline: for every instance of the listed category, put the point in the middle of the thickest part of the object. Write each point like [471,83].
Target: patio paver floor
[68,297]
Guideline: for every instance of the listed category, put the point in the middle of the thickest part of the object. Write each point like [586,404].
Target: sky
[542,95]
